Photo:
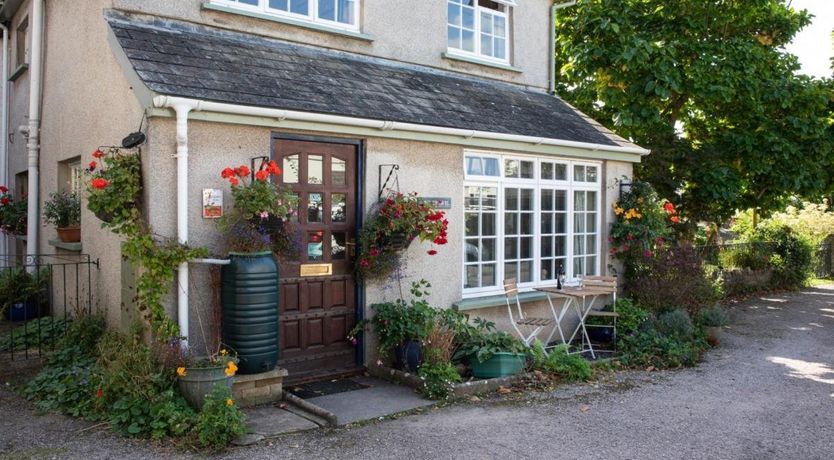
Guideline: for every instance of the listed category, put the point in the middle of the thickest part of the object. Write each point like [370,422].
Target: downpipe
[33,146]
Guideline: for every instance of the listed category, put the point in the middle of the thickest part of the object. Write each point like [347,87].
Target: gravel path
[768,392]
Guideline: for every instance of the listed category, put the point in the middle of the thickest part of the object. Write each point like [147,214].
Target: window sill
[289,21]
[499,300]
[20,70]
[73,247]
[473,60]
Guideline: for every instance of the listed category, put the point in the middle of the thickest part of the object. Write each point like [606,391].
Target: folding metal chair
[609,284]
[533,325]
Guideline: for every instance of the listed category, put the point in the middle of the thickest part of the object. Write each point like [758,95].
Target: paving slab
[270,421]
[380,399]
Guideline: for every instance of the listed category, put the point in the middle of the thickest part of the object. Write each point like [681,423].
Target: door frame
[359,284]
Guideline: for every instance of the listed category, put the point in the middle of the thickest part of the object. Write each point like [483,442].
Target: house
[456,93]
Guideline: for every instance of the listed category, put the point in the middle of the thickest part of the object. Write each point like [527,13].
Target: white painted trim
[312,17]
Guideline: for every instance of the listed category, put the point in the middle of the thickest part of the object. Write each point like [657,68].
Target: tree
[708,86]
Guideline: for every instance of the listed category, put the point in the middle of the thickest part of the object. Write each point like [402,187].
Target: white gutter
[4,126]
[552,59]
[35,89]
[279,114]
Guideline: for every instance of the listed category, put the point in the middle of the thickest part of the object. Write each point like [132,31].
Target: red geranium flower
[273,168]
[4,201]
[364,262]
[432,252]
[675,219]
[4,189]
[262,175]
[242,171]
[234,181]
[669,207]
[99,184]
[227,173]
[98,154]
[93,166]
[99,393]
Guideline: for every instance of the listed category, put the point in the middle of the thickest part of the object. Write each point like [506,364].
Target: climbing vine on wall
[115,188]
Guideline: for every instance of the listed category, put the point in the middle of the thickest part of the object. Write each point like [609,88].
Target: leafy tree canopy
[708,86]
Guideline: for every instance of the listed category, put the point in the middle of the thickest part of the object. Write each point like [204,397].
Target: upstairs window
[339,13]
[480,28]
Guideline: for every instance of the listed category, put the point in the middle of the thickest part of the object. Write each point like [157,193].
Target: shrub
[566,366]
[675,323]
[672,278]
[221,420]
[630,316]
[793,255]
[713,316]
[438,378]
[753,256]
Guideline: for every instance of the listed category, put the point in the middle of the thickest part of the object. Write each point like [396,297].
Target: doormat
[325,387]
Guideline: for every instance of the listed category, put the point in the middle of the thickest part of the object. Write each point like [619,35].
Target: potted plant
[63,210]
[401,327]
[197,377]
[115,186]
[713,319]
[13,213]
[391,227]
[249,284]
[492,353]
[21,292]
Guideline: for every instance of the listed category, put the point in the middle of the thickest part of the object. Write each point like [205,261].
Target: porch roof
[182,59]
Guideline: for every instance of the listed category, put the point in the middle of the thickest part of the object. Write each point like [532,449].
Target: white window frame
[477,53]
[312,17]
[538,184]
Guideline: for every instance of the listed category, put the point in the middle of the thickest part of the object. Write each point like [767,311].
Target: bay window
[338,13]
[479,28]
[530,219]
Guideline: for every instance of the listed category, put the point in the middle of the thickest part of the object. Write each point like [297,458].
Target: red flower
[234,181]
[4,189]
[262,175]
[647,253]
[373,252]
[98,154]
[99,184]
[92,166]
[242,171]
[626,247]
[273,168]
[227,173]
[99,393]
[629,237]
[675,219]
[435,217]
[431,252]
[364,262]
[5,200]
[669,207]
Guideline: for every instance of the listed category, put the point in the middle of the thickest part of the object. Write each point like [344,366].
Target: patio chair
[607,284]
[534,326]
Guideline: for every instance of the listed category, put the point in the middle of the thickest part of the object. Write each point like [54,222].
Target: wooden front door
[318,309]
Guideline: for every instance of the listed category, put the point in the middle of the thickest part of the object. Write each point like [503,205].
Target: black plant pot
[600,334]
[399,241]
[271,225]
[408,356]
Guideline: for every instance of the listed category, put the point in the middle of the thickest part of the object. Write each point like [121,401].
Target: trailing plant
[221,420]
[13,213]
[63,210]
[392,225]
[113,192]
[713,316]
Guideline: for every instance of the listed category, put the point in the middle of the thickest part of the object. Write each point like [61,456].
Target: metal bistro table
[576,297]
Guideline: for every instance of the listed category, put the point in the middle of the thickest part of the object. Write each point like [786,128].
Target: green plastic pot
[500,365]
[199,381]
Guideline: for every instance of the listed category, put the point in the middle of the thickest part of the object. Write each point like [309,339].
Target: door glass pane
[315,206]
[578,266]
[579,223]
[560,246]
[591,265]
[526,274]
[591,244]
[471,198]
[315,169]
[338,171]
[591,222]
[315,241]
[338,248]
[291,169]
[338,211]
[559,223]
[294,213]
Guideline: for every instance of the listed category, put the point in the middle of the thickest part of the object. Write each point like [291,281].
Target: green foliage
[754,130]
[41,331]
[570,367]
[675,323]
[113,194]
[713,316]
[484,341]
[753,256]
[438,379]
[63,209]
[399,321]
[221,420]
[630,316]
[669,340]
[642,225]
[793,254]
[398,216]
[17,284]
[13,213]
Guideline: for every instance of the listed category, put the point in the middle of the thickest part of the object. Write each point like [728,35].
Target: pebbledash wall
[430,169]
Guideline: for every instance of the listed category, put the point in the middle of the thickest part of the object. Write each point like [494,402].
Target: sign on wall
[438,202]
[212,203]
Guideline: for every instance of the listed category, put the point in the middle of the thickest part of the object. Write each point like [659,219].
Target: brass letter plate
[316,269]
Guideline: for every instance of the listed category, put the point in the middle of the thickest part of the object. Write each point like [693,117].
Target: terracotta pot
[69,234]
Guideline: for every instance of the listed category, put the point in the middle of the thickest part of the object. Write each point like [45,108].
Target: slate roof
[181,59]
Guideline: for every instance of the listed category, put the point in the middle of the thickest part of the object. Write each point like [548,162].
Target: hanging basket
[398,241]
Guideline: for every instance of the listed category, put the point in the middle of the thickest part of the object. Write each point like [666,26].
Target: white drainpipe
[4,126]
[35,89]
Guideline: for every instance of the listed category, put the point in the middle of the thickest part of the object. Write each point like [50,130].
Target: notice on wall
[212,203]
[436,201]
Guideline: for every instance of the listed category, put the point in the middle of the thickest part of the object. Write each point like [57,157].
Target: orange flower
[231,369]
[181,371]
[675,219]
[230,402]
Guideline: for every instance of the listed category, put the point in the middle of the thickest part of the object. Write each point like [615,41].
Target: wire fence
[39,296]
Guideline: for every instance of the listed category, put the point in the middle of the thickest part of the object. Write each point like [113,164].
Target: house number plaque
[316,269]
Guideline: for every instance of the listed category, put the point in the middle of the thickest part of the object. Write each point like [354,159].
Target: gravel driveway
[768,392]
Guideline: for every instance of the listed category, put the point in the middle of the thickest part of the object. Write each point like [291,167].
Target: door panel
[317,312]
